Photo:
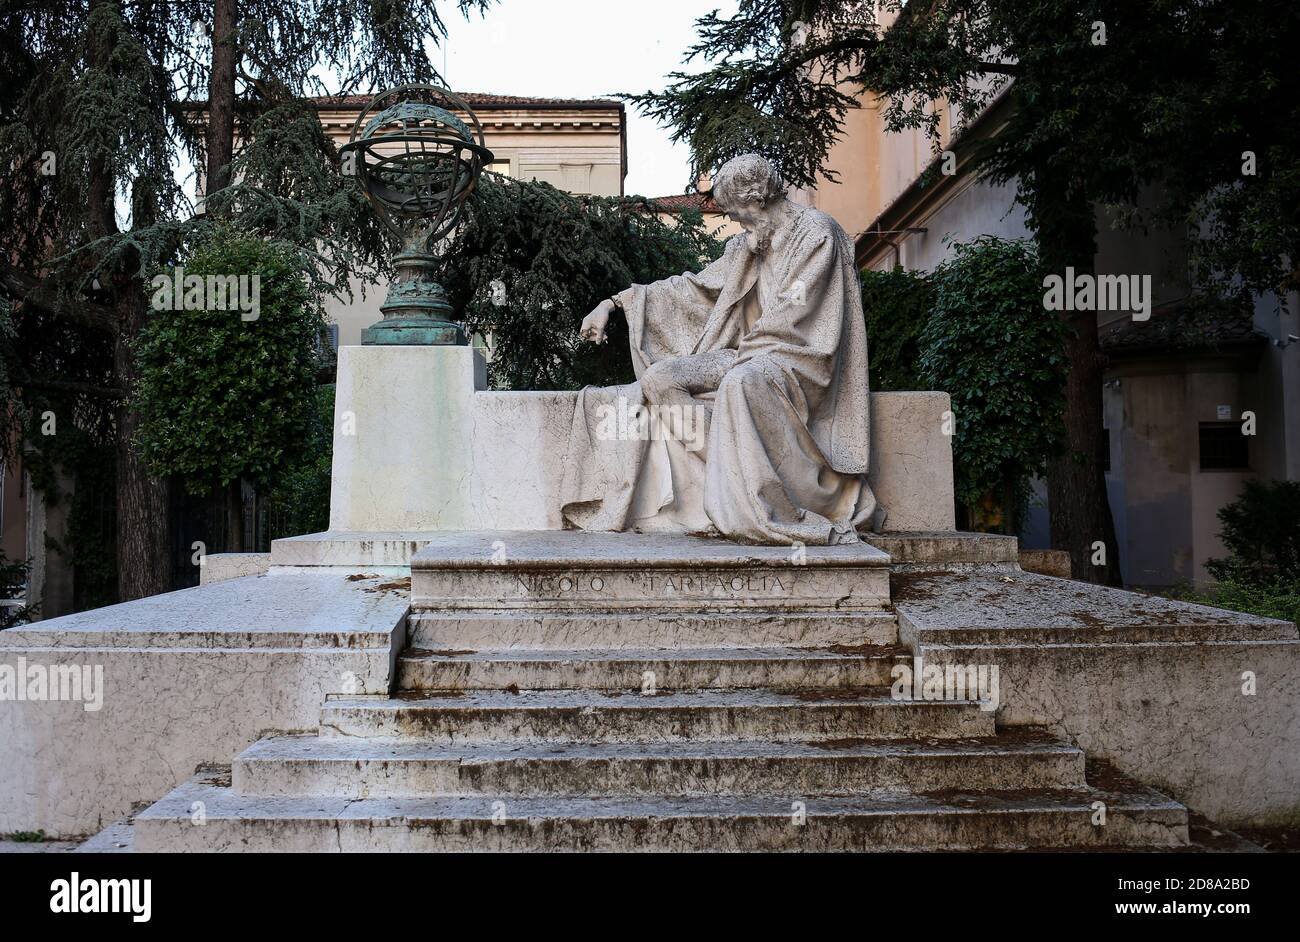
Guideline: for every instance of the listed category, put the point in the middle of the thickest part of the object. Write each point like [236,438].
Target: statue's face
[758,221]
[748,215]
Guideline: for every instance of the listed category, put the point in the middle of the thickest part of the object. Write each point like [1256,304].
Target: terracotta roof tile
[477,100]
[675,204]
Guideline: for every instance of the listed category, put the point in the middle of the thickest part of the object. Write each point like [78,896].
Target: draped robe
[788,446]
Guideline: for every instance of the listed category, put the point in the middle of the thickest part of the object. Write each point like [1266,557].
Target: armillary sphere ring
[433,180]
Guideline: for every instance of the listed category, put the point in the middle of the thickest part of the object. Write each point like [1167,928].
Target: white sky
[585,49]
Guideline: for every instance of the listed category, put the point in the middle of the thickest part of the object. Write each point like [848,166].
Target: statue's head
[748,189]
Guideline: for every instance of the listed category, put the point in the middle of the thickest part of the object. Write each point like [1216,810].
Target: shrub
[896,305]
[1272,600]
[1261,530]
[223,398]
[993,347]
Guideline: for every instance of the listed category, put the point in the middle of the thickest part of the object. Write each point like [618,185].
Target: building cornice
[931,189]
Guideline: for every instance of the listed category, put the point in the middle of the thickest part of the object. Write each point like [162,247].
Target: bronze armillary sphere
[418,163]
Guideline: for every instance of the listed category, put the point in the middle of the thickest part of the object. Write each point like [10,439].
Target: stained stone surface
[349,548]
[578,571]
[117,838]
[395,548]
[1196,701]
[218,567]
[961,820]
[945,548]
[570,549]
[1003,607]
[613,669]
[672,630]
[188,677]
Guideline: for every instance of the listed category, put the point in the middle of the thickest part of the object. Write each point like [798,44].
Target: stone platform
[1198,701]
[421,443]
[393,550]
[524,690]
[571,691]
[187,677]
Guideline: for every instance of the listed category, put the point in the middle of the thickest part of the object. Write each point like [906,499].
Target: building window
[1223,447]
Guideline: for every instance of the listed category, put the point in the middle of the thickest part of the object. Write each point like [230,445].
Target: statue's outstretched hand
[594,324]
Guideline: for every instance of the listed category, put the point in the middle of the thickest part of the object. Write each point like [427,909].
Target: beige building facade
[1177,386]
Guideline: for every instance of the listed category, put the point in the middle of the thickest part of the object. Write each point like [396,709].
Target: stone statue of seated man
[749,417]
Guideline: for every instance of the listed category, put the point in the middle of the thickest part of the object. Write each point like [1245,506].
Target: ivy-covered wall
[975,327]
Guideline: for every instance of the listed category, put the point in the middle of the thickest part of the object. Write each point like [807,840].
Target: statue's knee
[746,377]
[657,381]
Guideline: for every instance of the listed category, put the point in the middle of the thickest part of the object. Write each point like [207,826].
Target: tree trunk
[1076,481]
[221,96]
[235,516]
[142,542]
[1066,228]
[140,499]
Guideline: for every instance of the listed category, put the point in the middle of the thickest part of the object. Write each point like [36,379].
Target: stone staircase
[653,694]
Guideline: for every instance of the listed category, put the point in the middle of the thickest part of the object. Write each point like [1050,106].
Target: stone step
[947,548]
[617,631]
[649,668]
[360,768]
[551,571]
[1092,634]
[968,820]
[697,716]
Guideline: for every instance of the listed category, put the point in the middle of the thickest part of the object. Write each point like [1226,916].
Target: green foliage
[287,187]
[220,397]
[896,304]
[300,500]
[991,345]
[1172,93]
[531,261]
[1261,530]
[26,837]
[1271,600]
[99,121]
[1249,239]
[975,328]
[13,578]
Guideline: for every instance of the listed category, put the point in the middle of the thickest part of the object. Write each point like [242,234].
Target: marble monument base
[421,444]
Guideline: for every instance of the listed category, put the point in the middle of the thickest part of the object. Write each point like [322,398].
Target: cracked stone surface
[1196,701]
[1022,601]
[188,677]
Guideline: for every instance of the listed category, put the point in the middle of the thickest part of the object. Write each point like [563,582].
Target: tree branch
[30,291]
[64,385]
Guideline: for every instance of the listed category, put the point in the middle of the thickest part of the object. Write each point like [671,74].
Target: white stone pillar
[403,438]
